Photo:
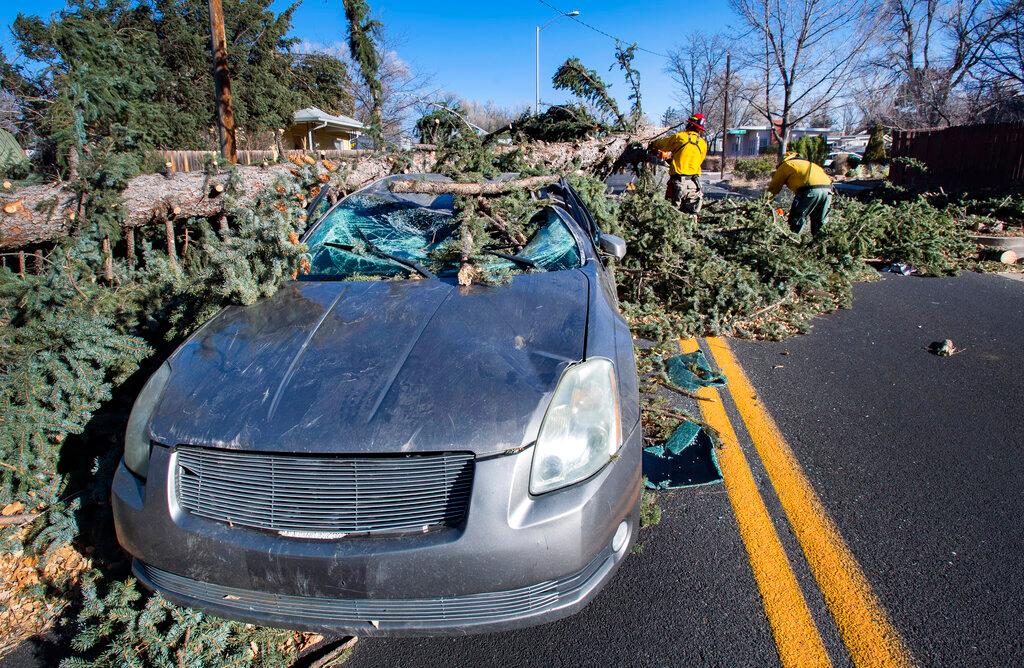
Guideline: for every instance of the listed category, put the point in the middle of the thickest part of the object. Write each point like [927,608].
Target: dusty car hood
[377,367]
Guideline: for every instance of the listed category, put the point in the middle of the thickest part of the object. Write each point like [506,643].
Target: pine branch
[479,188]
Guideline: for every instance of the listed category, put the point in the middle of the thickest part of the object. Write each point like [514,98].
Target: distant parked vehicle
[851,160]
[377,450]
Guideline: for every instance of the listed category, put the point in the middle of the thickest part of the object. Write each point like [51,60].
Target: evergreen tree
[324,82]
[364,34]
[811,147]
[874,152]
[137,74]
[101,72]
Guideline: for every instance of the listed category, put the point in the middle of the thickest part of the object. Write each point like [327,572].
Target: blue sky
[485,51]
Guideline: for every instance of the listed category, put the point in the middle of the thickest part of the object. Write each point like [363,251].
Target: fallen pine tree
[38,214]
[78,339]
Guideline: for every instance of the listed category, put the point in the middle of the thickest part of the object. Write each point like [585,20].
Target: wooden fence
[965,156]
[192,161]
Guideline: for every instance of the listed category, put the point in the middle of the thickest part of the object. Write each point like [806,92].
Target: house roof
[315,115]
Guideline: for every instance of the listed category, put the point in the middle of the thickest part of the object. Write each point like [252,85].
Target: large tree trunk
[38,214]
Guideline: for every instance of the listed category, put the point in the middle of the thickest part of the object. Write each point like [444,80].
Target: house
[749,140]
[315,129]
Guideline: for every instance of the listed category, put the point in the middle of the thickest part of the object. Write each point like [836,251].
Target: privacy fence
[966,156]
[193,161]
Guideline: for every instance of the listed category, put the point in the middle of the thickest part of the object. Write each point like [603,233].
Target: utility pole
[222,83]
[725,115]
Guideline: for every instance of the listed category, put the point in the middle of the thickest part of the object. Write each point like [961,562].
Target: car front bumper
[517,560]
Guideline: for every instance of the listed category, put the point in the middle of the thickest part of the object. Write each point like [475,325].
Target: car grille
[385,613]
[325,497]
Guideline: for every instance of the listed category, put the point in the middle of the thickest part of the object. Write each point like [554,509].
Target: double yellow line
[863,625]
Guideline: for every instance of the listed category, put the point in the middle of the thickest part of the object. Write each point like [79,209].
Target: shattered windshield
[356,238]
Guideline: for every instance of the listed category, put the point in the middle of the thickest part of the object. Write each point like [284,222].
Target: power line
[601,32]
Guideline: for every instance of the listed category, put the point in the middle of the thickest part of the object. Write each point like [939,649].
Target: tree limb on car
[479,188]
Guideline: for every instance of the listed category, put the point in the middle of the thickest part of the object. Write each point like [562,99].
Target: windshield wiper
[518,259]
[408,264]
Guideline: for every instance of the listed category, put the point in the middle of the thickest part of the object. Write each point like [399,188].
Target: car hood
[377,367]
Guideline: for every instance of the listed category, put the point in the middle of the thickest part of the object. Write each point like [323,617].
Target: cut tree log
[999,255]
[478,188]
[48,211]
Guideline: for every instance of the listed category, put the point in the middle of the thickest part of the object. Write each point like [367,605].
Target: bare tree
[402,89]
[1004,54]
[10,111]
[999,83]
[696,66]
[933,54]
[807,50]
[490,116]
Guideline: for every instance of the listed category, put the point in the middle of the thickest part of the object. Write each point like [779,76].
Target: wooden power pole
[725,114]
[222,83]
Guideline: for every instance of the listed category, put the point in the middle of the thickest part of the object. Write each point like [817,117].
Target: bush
[912,165]
[755,168]
[811,147]
[874,152]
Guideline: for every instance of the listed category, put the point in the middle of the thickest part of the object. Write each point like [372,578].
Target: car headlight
[581,429]
[136,436]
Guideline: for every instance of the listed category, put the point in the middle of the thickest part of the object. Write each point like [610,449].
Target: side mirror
[612,246]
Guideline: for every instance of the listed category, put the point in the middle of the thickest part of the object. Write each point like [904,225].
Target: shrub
[912,165]
[755,168]
[811,147]
[874,152]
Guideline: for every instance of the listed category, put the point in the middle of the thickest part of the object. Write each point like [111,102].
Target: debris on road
[692,372]
[1001,255]
[944,348]
[687,459]
[901,268]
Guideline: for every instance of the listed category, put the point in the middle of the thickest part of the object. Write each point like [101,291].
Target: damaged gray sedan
[377,450]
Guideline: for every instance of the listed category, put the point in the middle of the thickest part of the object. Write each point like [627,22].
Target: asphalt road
[916,460]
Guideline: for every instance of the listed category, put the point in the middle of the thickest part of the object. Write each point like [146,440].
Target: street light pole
[725,115]
[536,98]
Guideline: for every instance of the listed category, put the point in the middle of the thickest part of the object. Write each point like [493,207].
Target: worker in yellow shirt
[812,189]
[685,151]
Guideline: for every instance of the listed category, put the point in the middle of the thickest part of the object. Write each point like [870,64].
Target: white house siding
[750,143]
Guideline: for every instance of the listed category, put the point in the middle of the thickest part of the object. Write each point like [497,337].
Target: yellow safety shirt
[796,173]
[688,152]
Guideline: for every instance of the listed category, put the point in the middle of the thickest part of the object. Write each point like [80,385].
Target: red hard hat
[696,121]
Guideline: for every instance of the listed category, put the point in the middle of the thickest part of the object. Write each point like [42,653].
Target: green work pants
[811,203]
